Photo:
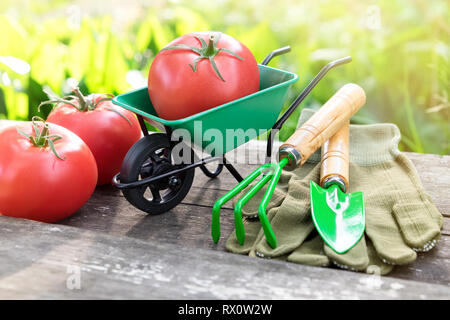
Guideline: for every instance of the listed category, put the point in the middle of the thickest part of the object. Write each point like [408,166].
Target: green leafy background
[400,51]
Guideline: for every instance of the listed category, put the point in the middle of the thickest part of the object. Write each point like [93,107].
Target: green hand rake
[334,114]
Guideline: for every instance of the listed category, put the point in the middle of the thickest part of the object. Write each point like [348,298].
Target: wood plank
[43,260]
[189,225]
[430,267]
[433,171]
[197,197]
[113,214]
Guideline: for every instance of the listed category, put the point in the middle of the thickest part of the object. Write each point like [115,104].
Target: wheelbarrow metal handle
[275,53]
[301,97]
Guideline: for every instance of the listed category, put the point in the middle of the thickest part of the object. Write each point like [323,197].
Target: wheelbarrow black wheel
[149,157]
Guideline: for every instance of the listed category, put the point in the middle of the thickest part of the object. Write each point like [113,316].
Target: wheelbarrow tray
[236,122]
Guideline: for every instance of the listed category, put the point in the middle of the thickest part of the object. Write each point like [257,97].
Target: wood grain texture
[42,260]
[125,253]
[335,156]
[189,223]
[326,121]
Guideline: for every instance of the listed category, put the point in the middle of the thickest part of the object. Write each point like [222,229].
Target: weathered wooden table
[110,250]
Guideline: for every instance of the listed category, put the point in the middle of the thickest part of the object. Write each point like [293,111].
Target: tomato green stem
[83,104]
[211,48]
[207,51]
[42,138]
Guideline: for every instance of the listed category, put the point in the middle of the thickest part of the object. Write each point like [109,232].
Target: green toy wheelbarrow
[155,176]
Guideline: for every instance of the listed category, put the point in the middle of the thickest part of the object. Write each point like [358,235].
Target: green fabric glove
[400,217]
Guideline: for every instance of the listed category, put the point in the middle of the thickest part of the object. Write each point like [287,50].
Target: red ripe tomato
[36,184]
[107,129]
[199,71]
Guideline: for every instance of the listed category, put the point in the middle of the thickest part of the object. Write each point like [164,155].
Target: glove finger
[253,254]
[411,177]
[383,231]
[310,253]
[381,226]
[376,266]
[292,224]
[362,257]
[355,259]
[417,221]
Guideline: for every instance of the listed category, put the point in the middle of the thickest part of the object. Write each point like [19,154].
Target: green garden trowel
[338,216]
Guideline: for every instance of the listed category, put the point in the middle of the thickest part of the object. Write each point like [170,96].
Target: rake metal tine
[268,231]
[238,222]
[215,224]
[273,176]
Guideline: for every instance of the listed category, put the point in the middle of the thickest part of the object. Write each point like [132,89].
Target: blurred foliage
[400,51]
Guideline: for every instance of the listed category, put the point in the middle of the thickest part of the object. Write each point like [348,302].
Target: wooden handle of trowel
[335,157]
[323,124]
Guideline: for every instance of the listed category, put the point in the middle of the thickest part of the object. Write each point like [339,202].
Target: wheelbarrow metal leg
[142,125]
[232,170]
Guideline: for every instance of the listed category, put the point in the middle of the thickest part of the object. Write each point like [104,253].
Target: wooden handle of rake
[322,125]
[335,159]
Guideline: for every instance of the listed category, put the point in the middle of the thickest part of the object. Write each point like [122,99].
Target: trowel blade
[339,217]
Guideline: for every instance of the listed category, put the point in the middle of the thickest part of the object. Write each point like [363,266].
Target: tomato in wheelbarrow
[199,71]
